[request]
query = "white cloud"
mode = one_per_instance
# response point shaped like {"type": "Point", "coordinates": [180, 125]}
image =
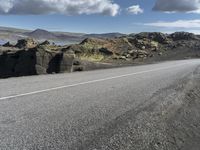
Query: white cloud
{"type": "Point", "coordinates": [67, 7]}
{"type": "Point", "coordinates": [176, 24]}
{"type": "Point", "coordinates": [135, 9]}
{"type": "Point", "coordinates": [5, 6]}
{"type": "Point", "coordinates": [189, 6]}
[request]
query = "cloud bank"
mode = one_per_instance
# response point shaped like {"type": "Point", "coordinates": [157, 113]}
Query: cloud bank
{"type": "Point", "coordinates": [135, 9]}
{"type": "Point", "coordinates": [177, 24]}
{"type": "Point", "coordinates": [191, 6]}
{"type": "Point", "coordinates": [66, 7]}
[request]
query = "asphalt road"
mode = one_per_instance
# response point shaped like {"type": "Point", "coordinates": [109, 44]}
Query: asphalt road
{"type": "Point", "coordinates": [87, 110]}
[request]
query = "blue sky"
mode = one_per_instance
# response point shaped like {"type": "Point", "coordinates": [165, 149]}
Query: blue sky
{"type": "Point", "coordinates": [105, 16]}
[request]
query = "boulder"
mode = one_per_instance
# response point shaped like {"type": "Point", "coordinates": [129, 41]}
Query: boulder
{"type": "Point", "coordinates": [143, 47]}
{"type": "Point", "coordinates": [128, 56]}
{"type": "Point", "coordinates": [122, 57]}
{"type": "Point", "coordinates": [45, 43]}
{"type": "Point", "coordinates": [105, 51]}
{"type": "Point", "coordinates": [43, 58]}
{"type": "Point", "coordinates": [142, 52]}
{"type": "Point", "coordinates": [133, 53]}
{"type": "Point", "coordinates": [66, 64]}
{"type": "Point", "coordinates": [76, 62]}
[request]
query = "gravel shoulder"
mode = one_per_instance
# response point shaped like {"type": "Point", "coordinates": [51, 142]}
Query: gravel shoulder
{"type": "Point", "coordinates": [170, 120]}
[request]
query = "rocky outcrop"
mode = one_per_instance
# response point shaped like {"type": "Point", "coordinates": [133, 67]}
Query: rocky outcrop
{"type": "Point", "coordinates": [34, 61]}
{"type": "Point", "coordinates": [155, 36]}
{"type": "Point", "coordinates": [106, 47]}
{"type": "Point", "coordinates": [7, 44]}
{"type": "Point", "coordinates": [138, 46]}
{"type": "Point", "coordinates": [26, 43]}
{"type": "Point", "coordinates": [183, 36]}
{"type": "Point", "coordinates": [45, 43]}
{"type": "Point", "coordinates": [28, 57]}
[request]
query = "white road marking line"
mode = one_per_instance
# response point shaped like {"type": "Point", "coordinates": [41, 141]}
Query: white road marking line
{"type": "Point", "coordinates": [88, 82]}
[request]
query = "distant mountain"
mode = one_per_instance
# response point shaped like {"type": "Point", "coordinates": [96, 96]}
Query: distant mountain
{"type": "Point", "coordinates": [11, 34]}
{"type": "Point", "coordinates": [41, 34]}
{"type": "Point", "coordinates": [105, 35]}
{"type": "Point", "coordinates": [13, 30]}
{"type": "Point", "coordinates": [14, 34]}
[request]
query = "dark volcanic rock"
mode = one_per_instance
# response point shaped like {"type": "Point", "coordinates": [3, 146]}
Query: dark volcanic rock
{"type": "Point", "coordinates": [183, 36]}
{"type": "Point", "coordinates": [17, 64]}
{"type": "Point", "coordinates": [54, 62]}
{"type": "Point", "coordinates": [75, 48]}
{"type": "Point", "coordinates": [155, 36]}
{"type": "Point", "coordinates": [34, 61]}
{"type": "Point", "coordinates": [105, 51]}
{"type": "Point", "coordinates": [7, 44]}
{"type": "Point", "coordinates": [77, 62]}
{"type": "Point", "coordinates": [45, 43]}
{"type": "Point", "coordinates": [26, 43]}
{"type": "Point", "coordinates": [60, 63]}
{"type": "Point", "coordinates": [159, 37]}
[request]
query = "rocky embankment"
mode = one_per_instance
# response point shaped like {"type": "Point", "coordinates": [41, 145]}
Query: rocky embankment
{"type": "Point", "coordinates": [28, 57]}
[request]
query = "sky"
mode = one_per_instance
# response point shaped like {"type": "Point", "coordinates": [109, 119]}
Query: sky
{"type": "Point", "coordinates": [102, 16]}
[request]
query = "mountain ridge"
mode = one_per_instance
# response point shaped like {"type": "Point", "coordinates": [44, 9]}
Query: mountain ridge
{"type": "Point", "coordinates": [14, 34]}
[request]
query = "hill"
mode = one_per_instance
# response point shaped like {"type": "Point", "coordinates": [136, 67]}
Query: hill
{"type": "Point", "coordinates": [41, 34]}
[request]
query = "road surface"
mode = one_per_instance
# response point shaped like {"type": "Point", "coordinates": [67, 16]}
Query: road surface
{"type": "Point", "coordinates": [113, 109]}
